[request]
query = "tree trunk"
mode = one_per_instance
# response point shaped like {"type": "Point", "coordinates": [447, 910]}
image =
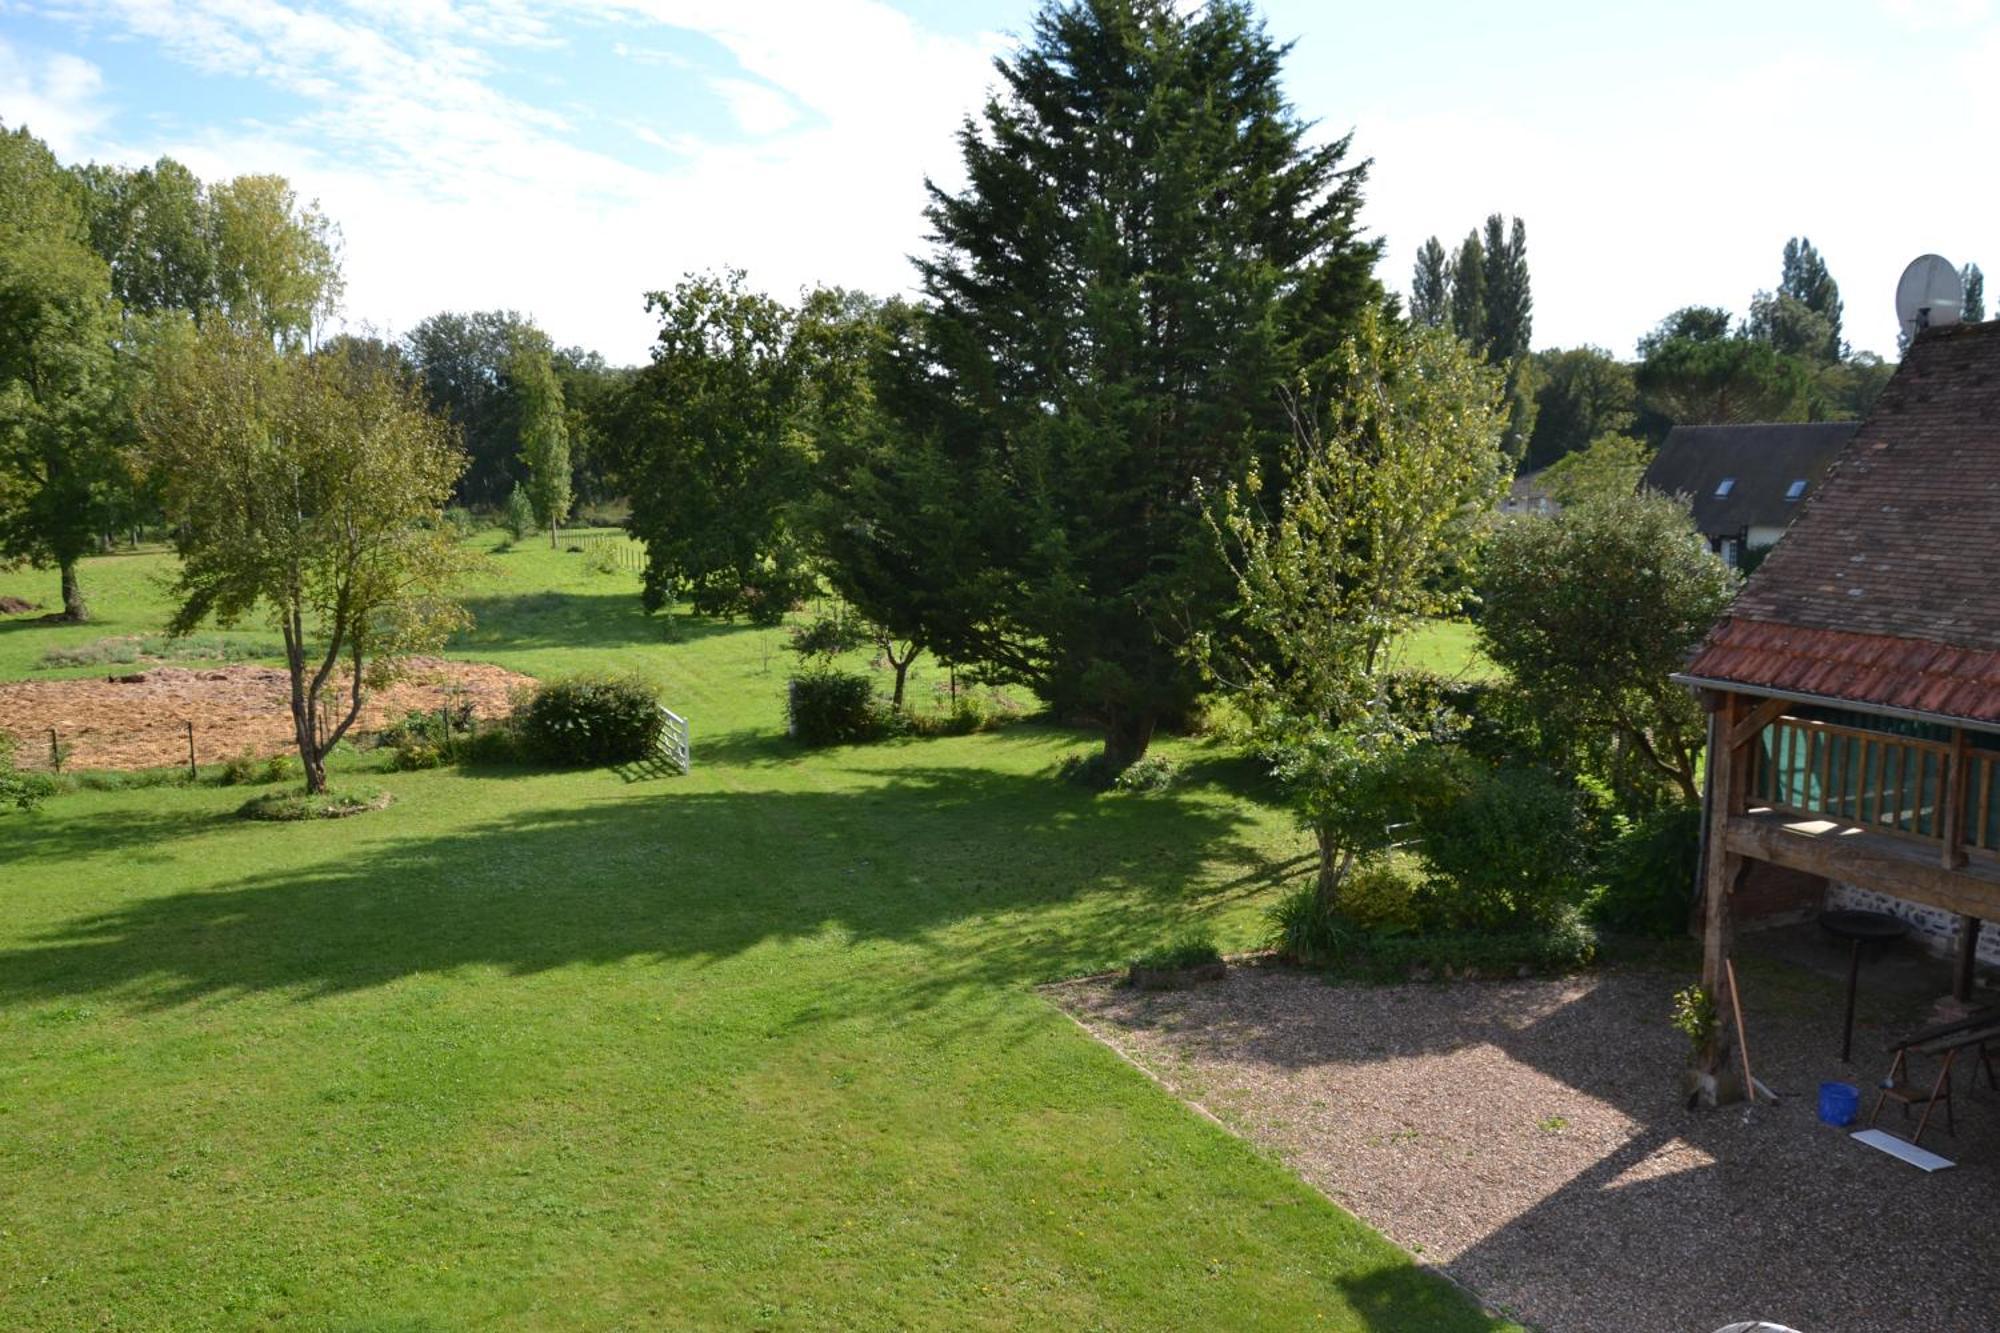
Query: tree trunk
{"type": "Point", "coordinates": [1334, 863]}
{"type": "Point", "coordinates": [1126, 739]}
{"type": "Point", "coordinates": [902, 671]}
{"type": "Point", "coordinates": [552, 534]}
{"type": "Point", "coordinates": [75, 609]}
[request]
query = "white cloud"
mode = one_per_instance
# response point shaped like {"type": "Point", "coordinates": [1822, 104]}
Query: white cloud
{"type": "Point", "coordinates": [55, 96]}
{"type": "Point", "coordinates": [759, 110]}
{"type": "Point", "coordinates": [453, 194]}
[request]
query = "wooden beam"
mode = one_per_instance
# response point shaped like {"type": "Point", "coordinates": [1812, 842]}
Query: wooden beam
{"type": "Point", "coordinates": [1760, 717]}
{"type": "Point", "coordinates": [1878, 861]}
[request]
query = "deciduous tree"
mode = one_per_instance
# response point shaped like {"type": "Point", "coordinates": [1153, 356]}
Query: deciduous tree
{"type": "Point", "coordinates": [708, 442]}
{"type": "Point", "coordinates": [1608, 468]}
{"type": "Point", "coordinates": [62, 417]}
{"type": "Point", "coordinates": [1591, 610]}
{"type": "Point", "coordinates": [1582, 393]}
{"type": "Point", "coordinates": [1380, 495]}
{"type": "Point", "coordinates": [311, 487]}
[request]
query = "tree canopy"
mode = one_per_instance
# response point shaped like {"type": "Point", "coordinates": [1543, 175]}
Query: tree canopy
{"type": "Point", "coordinates": [712, 443]}
{"type": "Point", "coordinates": [62, 414]}
{"type": "Point", "coordinates": [1590, 611]}
{"type": "Point", "coordinates": [1147, 250]}
{"type": "Point", "coordinates": [309, 486]}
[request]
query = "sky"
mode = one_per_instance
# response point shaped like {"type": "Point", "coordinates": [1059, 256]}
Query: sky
{"type": "Point", "coordinates": [563, 160]}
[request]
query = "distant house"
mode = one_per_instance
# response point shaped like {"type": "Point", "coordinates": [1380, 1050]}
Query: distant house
{"type": "Point", "coordinates": [1746, 483]}
{"type": "Point", "coordinates": [1854, 685]}
{"type": "Point", "coordinates": [1528, 496]}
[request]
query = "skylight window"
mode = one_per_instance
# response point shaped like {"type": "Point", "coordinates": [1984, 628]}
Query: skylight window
{"type": "Point", "coordinates": [1724, 487]}
{"type": "Point", "coordinates": [1796, 490]}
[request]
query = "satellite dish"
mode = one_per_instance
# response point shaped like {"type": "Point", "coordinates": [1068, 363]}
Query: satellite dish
{"type": "Point", "coordinates": [1929, 295]}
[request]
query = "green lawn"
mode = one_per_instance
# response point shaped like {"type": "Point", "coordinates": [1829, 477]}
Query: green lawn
{"type": "Point", "coordinates": [1448, 647]}
{"type": "Point", "coordinates": [758, 1047]}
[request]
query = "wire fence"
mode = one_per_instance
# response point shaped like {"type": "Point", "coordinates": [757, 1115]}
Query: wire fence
{"type": "Point", "coordinates": [616, 549]}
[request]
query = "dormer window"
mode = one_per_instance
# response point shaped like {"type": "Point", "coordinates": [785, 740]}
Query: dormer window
{"type": "Point", "coordinates": [1724, 487]}
{"type": "Point", "coordinates": [1797, 490]}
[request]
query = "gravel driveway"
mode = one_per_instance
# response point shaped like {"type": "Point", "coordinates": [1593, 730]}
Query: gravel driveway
{"type": "Point", "coordinates": [1529, 1139]}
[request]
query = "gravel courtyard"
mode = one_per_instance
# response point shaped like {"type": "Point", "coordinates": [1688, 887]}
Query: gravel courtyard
{"type": "Point", "coordinates": [1528, 1138]}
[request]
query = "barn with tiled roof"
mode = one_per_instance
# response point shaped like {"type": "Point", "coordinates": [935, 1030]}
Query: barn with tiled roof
{"type": "Point", "coordinates": [1854, 687]}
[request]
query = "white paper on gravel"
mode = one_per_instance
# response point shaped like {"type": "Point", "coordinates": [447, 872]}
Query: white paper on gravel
{"type": "Point", "coordinates": [1922, 1158]}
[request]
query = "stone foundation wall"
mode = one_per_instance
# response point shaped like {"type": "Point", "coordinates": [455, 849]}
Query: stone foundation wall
{"type": "Point", "coordinates": [1934, 928]}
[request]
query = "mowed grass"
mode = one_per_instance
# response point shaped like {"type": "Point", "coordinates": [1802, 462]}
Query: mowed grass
{"type": "Point", "coordinates": [757, 1047]}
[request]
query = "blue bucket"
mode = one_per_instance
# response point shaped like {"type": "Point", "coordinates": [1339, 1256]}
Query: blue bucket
{"type": "Point", "coordinates": [1839, 1103]}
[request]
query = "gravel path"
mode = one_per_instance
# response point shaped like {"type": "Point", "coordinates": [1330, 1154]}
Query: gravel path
{"type": "Point", "coordinates": [1528, 1138]}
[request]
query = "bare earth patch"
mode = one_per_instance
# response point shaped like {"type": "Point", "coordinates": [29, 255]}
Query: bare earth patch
{"type": "Point", "coordinates": [138, 719]}
{"type": "Point", "coordinates": [1528, 1138]}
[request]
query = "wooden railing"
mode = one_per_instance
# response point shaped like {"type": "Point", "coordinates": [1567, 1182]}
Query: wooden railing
{"type": "Point", "coordinates": [1943, 792]}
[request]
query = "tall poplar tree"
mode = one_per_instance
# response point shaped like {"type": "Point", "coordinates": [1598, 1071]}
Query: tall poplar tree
{"type": "Point", "coordinates": [1468, 293]}
{"type": "Point", "coordinates": [1975, 293]}
{"type": "Point", "coordinates": [1806, 280]}
{"type": "Point", "coordinates": [1510, 307]}
{"type": "Point", "coordinates": [544, 430]}
{"type": "Point", "coordinates": [1430, 286]}
{"type": "Point", "coordinates": [1147, 252]}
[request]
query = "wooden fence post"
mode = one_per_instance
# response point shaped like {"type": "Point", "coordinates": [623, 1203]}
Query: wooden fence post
{"type": "Point", "coordinates": [190, 731]}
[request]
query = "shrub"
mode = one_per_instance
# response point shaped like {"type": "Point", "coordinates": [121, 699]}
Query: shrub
{"type": "Point", "coordinates": [495, 743]}
{"type": "Point", "coordinates": [1089, 771]}
{"type": "Point", "coordinates": [1562, 944]}
{"type": "Point", "coordinates": [1193, 947]}
{"type": "Point", "coordinates": [413, 756]}
{"type": "Point", "coordinates": [833, 707]}
{"type": "Point", "coordinates": [1508, 854]}
{"type": "Point", "coordinates": [1307, 933]}
{"type": "Point", "coordinates": [1383, 893]}
{"type": "Point", "coordinates": [461, 521]}
{"type": "Point", "coordinates": [1648, 875]}
{"type": "Point", "coordinates": [1153, 773]}
{"type": "Point", "coordinates": [23, 791]}
{"type": "Point", "coordinates": [285, 807]}
{"type": "Point", "coordinates": [591, 719]}
{"type": "Point", "coordinates": [247, 769]}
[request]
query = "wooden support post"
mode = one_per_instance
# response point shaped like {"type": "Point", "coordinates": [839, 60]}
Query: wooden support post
{"type": "Point", "coordinates": [1958, 766]}
{"type": "Point", "coordinates": [1721, 872]}
{"type": "Point", "coordinates": [1967, 959]}
{"type": "Point", "coordinates": [190, 732]}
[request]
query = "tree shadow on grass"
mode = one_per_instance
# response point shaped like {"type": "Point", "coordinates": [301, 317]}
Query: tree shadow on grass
{"type": "Point", "coordinates": [959, 863]}
{"type": "Point", "coordinates": [50, 835]}
{"type": "Point", "coordinates": [536, 620]}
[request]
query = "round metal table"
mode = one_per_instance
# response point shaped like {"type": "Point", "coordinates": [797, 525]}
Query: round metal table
{"type": "Point", "coordinates": [1874, 931]}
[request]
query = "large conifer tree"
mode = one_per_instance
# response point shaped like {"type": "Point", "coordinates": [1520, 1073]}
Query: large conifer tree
{"type": "Point", "coordinates": [1146, 256]}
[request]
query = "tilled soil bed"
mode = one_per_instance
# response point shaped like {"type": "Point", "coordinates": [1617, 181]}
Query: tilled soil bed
{"type": "Point", "coordinates": [138, 719]}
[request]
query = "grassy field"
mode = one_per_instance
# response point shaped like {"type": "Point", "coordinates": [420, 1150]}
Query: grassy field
{"type": "Point", "coordinates": [757, 1047]}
